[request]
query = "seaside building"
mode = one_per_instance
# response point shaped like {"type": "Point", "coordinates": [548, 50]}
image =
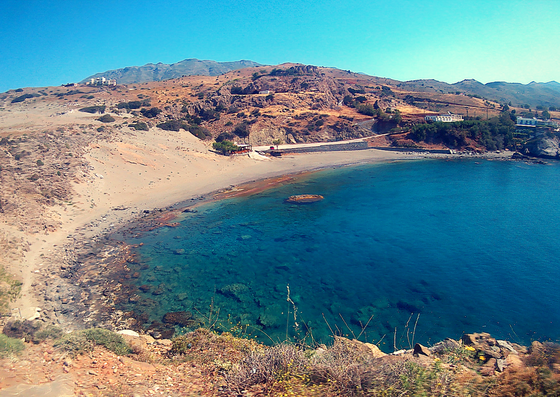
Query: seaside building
{"type": "Point", "coordinates": [444, 118]}
{"type": "Point", "coordinates": [534, 122]}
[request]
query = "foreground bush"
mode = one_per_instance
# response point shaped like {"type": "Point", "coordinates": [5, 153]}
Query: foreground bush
{"type": "Point", "coordinates": [207, 346]}
{"type": "Point", "coordinates": [343, 369]}
{"type": "Point", "coordinates": [9, 346]}
{"type": "Point", "coordinates": [79, 342]}
{"type": "Point", "coordinates": [279, 364]}
{"type": "Point", "coordinates": [21, 329]}
{"type": "Point", "coordinates": [31, 331]}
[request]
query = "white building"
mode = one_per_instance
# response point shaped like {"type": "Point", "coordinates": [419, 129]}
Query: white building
{"type": "Point", "coordinates": [444, 118]}
{"type": "Point", "coordinates": [534, 122]}
{"type": "Point", "coordinates": [101, 81]}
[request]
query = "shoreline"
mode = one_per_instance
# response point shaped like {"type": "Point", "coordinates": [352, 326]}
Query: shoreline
{"type": "Point", "coordinates": [63, 246]}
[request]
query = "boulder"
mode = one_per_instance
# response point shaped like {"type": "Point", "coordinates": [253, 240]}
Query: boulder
{"type": "Point", "coordinates": [543, 146]}
{"type": "Point", "coordinates": [128, 332]}
{"type": "Point", "coordinates": [421, 350]}
{"type": "Point", "coordinates": [183, 319]}
{"type": "Point", "coordinates": [506, 345]}
{"type": "Point", "coordinates": [359, 348]}
{"type": "Point", "coordinates": [514, 361]}
{"type": "Point", "coordinates": [500, 365]}
{"type": "Point", "coordinates": [445, 345]}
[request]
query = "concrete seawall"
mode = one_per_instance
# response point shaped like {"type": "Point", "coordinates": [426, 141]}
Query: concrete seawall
{"type": "Point", "coordinates": [357, 146]}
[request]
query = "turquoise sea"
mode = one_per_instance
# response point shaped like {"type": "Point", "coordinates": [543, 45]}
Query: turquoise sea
{"type": "Point", "coordinates": [422, 250]}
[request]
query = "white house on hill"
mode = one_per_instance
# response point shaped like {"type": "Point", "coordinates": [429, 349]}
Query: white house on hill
{"type": "Point", "coordinates": [444, 118]}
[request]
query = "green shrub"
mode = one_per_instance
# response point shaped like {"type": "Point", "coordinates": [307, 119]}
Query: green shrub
{"type": "Point", "coordinates": [9, 289]}
{"type": "Point", "coordinates": [172, 125]}
{"type": "Point", "coordinates": [40, 163]}
{"type": "Point", "coordinates": [93, 109]}
{"type": "Point", "coordinates": [10, 346]}
{"type": "Point", "coordinates": [200, 132]}
{"type": "Point", "coordinates": [236, 90]}
{"type": "Point", "coordinates": [106, 118]}
{"type": "Point", "coordinates": [150, 113]}
{"type": "Point", "coordinates": [225, 147]}
{"type": "Point", "coordinates": [241, 130]}
{"type": "Point", "coordinates": [74, 343]}
{"type": "Point", "coordinates": [224, 136]}
{"type": "Point", "coordinates": [111, 340]}
{"type": "Point", "coordinates": [130, 105]}
{"type": "Point", "coordinates": [139, 126]}
{"type": "Point", "coordinates": [22, 98]}
{"type": "Point", "coordinates": [49, 332]}
{"type": "Point", "coordinates": [368, 110]}
{"type": "Point", "coordinates": [209, 114]}
{"type": "Point", "coordinates": [21, 329]}
{"type": "Point", "coordinates": [84, 341]}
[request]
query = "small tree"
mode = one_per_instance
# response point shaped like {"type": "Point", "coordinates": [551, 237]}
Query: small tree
{"type": "Point", "coordinates": [225, 147]}
{"type": "Point", "coordinates": [397, 117]}
{"type": "Point", "coordinates": [241, 130]}
{"type": "Point", "coordinates": [277, 142]}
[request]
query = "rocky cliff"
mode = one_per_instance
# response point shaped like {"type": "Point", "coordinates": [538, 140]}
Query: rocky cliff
{"type": "Point", "coordinates": [546, 146]}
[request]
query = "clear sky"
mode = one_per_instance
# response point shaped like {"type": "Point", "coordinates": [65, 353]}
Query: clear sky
{"type": "Point", "coordinates": [51, 42]}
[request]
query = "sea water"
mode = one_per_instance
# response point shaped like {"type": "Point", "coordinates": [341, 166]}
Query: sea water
{"type": "Point", "coordinates": [396, 253]}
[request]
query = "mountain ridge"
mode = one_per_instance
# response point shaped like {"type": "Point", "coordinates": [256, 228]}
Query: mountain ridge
{"type": "Point", "coordinates": [518, 94]}
{"type": "Point", "coordinates": [162, 71]}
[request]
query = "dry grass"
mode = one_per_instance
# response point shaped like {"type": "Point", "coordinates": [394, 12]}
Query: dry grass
{"type": "Point", "coordinates": [338, 370]}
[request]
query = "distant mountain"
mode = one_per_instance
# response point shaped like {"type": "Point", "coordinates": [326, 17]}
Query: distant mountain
{"type": "Point", "coordinates": [533, 94]}
{"type": "Point", "coordinates": [161, 71]}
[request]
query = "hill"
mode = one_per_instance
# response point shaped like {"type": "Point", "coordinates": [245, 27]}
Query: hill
{"type": "Point", "coordinates": [516, 94]}
{"type": "Point", "coordinates": [290, 102]}
{"type": "Point", "coordinates": [161, 71]}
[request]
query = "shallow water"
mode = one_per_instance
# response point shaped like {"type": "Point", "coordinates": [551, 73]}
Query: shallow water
{"type": "Point", "coordinates": [469, 246]}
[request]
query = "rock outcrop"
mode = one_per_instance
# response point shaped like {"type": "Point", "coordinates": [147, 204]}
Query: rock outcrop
{"type": "Point", "coordinates": [543, 146]}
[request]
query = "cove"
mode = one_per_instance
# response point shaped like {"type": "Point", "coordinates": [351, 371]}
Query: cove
{"type": "Point", "coordinates": [419, 250]}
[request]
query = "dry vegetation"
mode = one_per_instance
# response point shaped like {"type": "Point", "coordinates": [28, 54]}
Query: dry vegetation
{"type": "Point", "coordinates": [205, 363]}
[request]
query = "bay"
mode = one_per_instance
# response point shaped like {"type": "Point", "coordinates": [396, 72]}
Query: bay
{"type": "Point", "coordinates": [418, 250]}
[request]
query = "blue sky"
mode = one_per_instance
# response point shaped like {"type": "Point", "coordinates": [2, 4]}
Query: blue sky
{"type": "Point", "coordinates": [59, 41]}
